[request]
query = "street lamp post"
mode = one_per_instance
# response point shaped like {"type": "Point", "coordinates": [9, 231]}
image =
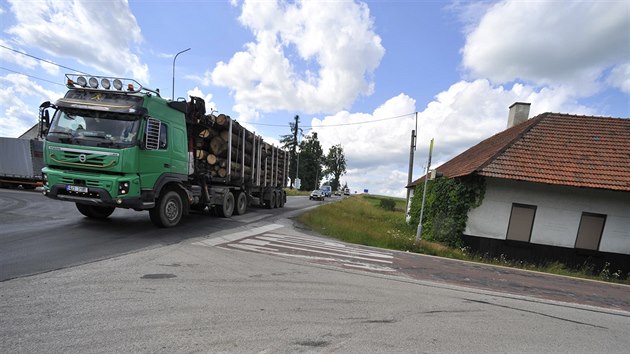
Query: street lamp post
{"type": "Point", "coordinates": [173, 93]}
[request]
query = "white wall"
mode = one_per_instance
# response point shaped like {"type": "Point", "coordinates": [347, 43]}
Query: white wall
{"type": "Point", "coordinates": [558, 213]}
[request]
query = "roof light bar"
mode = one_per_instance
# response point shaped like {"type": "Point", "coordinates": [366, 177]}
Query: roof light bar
{"type": "Point", "coordinates": [102, 83]}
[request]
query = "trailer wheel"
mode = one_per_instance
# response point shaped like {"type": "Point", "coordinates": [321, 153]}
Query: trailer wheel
{"type": "Point", "coordinates": [95, 212]}
{"type": "Point", "coordinates": [241, 203]}
{"type": "Point", "coordinates": [168, 211]}
{"type": "Point", "coordinates": [227, 208]}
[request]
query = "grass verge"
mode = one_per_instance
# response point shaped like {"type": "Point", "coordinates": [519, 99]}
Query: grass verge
{"type": "Point", "coordinates": [364, 220]}
{"type": "Point", "coordinates": [296, 193]}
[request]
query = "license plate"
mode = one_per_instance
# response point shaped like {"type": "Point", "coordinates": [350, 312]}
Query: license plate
{"type": "Point", "coordinates": [79, 189]}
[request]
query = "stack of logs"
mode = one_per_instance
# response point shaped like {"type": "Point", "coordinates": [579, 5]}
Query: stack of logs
{"type": "Point", "coordinates": [211, 143]}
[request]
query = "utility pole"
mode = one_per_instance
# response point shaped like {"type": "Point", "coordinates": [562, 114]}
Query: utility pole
{"type": "Point", "coordinates": [412, 148]}
{"type": "Point", "coordinates": [424, 194]}
{"type": "Point", "coordinates": [295, 144]}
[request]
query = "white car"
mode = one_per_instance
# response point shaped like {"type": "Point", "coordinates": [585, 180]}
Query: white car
{"type": "Point", "coordinates": [316, 195]}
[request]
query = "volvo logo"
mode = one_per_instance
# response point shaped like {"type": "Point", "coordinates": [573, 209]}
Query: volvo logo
{"type": "Point", "coordinates": [82, 158]}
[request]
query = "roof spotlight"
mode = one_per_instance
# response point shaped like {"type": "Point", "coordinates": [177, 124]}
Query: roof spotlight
{"type": "Point", "coordinates": [93, 82]}
{"type": "Point", "coordinates": [105, 83]}
{"type": "Point", "coordinates": [118, 84]}
{"type": "Point", "coordinates": [81, 81]}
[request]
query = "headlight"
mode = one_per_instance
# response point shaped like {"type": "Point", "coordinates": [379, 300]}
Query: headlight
{"type": "Point", "coordinates": [81, 81]}
{"type": "Point", "coordinates": [123, 187]}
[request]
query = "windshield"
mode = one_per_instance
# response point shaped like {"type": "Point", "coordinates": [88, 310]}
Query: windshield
{"type": "Point", "coordinates": [94, 128]}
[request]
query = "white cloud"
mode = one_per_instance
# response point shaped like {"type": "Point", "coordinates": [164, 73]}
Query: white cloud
{"type": "Point", "coordinates": [204, 80]}
{"type": "Point", "coordinates": [50, 68]}
{"type": "Point", "coordinates": [377, 152]}
{"type": "Point", "coordinates": [18, 115]}
{"type": "Point", "coordinates": [620, 77]}
{"type": "Point", "coordinates": [246, 113]}
{"type": "Point", "coordinates": [367, 138]}
{"type": "Point", "coordinates": [550, 43]}
{"type": "Point", "coordinates": [82, 30]}
{"type": "Point", "coordinates": [306, 57]}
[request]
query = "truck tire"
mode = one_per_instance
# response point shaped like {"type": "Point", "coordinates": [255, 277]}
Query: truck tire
{"type": "Point", "coordinates": [95, 212]}
{"type": "Point", "coordinates": [226, 210]}
{"type": "Point", "coordinates": [168, 211]}
{"type": "Point", "coordinates": [241, 204]}
{"type": "Point", "coordinates": [281, 197]}
{"type": "Point", "coordinates": [271, 203]}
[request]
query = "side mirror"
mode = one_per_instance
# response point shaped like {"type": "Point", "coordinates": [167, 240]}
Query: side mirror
{"type": "Point", "coordinates": [44, 118]}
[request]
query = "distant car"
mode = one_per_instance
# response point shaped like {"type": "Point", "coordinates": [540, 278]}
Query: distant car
{"type": "Point", "coordinates": [316, 195]}
{"type": "Point", "coordinates": [337, 193]}
{"type": "Point", "coordinates": [327, 190]}
{"type": "Point", "coordinates": [346, 191]}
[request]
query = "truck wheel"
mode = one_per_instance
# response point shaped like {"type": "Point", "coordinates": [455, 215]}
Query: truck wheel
{"type": "Point", "coordinates": [280, 200]}
{"type": "Point", "coordinates": [227, 208]}
{"type": "Point", "coordinates": [241, 204]}
{"type": "Point", "coordinates": [168, 211]}
{"type": "Point", "coordinates": [271, 203]}
{"type": "Point", "coordinates": [95, 212]}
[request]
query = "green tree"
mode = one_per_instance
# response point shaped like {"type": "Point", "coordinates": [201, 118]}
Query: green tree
{"type": "Point", "coordinates": [335, 164]}
{"type": "Point", "coordinates": [311, 159]}
{"type": "Point", "coordinates": [290, 142]}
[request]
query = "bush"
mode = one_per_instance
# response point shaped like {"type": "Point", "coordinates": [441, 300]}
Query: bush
{"type": "Point", "coordinates": [447, 203]}
{"type": "Point", "coordinates": [388, 204]}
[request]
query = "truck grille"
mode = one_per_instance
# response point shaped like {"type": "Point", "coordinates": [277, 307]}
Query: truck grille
{"type": "Point", "coordinates": [77, 157]}
{"type": "Point", "coordinates": [80, 182]}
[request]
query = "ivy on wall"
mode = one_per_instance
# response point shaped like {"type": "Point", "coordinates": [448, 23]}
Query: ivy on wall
{"type": "Point", "coordinates": [446, 207]}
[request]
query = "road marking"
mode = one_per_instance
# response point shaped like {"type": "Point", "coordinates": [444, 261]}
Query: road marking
{"type": "Point", "coordinates": [324, 245]}
{"type": "Point", "coordinates": [237, 236]}
{"type": "Point", "coordinates": [314, 249]}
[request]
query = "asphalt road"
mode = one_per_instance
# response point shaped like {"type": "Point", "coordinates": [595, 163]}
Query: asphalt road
{"type": "Point", "coordinates": [256, 284]}
{"type": "Point", "coordinates": [39, 234]}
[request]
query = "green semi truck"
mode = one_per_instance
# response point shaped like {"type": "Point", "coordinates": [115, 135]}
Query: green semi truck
{"type": "Point", "coordinates": [111, 143]}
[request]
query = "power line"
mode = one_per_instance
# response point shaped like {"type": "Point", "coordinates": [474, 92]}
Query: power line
{"type": "Point", "coordinates": [44, 60]}
{"type": "Point", "coordinates": [260, 124]}
{"type": "Point", "coordinates": [338, 125]}
{"type": "Point", "coordinates": [31, 76]}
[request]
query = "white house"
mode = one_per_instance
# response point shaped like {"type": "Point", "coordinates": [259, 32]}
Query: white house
{"type": "Point", "coordinates": [557, 187]}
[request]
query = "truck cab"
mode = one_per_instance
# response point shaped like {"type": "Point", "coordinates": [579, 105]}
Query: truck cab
{"type": "Point", "coordinates": [111, 144]}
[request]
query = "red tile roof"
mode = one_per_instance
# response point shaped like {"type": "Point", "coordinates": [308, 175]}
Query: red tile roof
{"type": "Point", "coordinates": [552, 148]}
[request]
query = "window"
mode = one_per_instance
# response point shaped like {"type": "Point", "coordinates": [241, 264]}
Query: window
{"type": "Point", "coordinates": [163, 136]}
{"type": "Point", "coordinates": [590, 231]}
{"type": "Point", "coordinates": [521, 222]}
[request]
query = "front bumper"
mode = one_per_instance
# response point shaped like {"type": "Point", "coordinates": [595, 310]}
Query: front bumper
{"type": "Point", "coordinates": [95, 196]}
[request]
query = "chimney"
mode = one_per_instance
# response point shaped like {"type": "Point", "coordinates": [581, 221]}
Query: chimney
{"type": "Point", "coordinates": [519, 112]}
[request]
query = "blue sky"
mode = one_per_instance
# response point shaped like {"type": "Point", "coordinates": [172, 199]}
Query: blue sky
{"type": "Point", "coordinates": [354, 71]}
